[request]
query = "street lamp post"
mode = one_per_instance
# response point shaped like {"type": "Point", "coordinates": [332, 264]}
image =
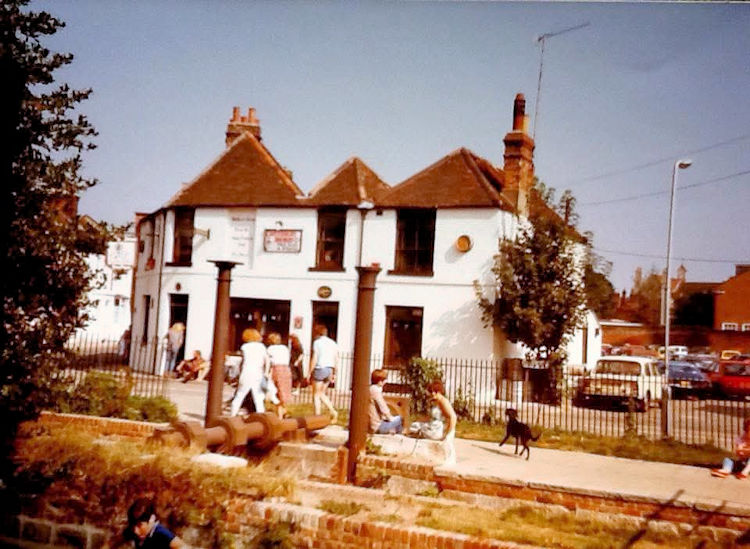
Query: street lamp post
{"type": "Point", "coordinates": [678, 165]}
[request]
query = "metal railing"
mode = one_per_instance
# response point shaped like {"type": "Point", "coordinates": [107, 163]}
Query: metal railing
{"type": "Point", "coordinates": [609, 405]}
{"type": "Point", "coordinates": [139, 365]}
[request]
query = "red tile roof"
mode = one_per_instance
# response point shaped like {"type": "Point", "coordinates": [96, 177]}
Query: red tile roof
{"type": "Point", "coordinates": [458, 180]}
{"type": "Point", "coordinates": [245, 174]}
{"type": "Point", "coordinates": [349, 185]}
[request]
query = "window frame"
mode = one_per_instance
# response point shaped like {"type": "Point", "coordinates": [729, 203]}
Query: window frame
{"type": "Point", "coordinates": [182, 240]}
{"type": "Point", "coordinates": [729, 326]}
{"type": "Point", "coordinates": [327, 239]}
{"type": "Point", "coordinates": [400, 313]}
{"type": "Point", "coordinates": [415, 236]}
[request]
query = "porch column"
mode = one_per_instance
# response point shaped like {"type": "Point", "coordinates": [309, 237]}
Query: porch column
{"type": "Point", "coordinates": [219, 349]}
{"type": "Point", "coordinates": [358, 417]}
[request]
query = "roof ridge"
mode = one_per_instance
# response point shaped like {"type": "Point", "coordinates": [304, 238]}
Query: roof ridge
{"type": "Point", "coordinates": [279, 168]}
{"type": "Point", "coordinates": [330, 177]}
{"type": "Point", "coordinates": [185, 186]}
{"type": "Point", "coordinates": [470, 159]}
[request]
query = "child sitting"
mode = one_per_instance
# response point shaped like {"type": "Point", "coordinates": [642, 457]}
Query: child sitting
{"type": "Point", "coordinates": [742, 451]}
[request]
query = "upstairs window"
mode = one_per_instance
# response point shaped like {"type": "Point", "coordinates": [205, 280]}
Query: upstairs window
{"type": "Point", "coordinates": [331, 232]}
{"type": "Point", "coordinates": [182, 253]}
{"type": "Point", "coordinates": [729, 326]}
{"type": "Point", "coordinates": [415, 242]}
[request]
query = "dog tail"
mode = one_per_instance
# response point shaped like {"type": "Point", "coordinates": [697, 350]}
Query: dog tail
{"type": "Point", "coordinates": [535, 438]}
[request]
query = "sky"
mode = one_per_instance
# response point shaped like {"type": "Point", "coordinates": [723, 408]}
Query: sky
{"type": "Point", "coordinates": [402, 84]}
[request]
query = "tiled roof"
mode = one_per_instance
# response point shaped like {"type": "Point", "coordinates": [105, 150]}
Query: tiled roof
{"type": "Point", "coordinates": [245, 174]}
{"type": "Point", "coordinates": [458, 180]}
{"type": "Point", "coordinates": [351, 184]}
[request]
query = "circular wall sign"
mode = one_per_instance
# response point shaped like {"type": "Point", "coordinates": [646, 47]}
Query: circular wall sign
{"type": "Point", "coordinates": [324, 292]}
{"type": "Point", "coordinates": [463, 243]}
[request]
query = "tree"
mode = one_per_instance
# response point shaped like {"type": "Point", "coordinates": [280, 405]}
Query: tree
{"type": "Point", "coordinates": [44, 277]}
{"type": "Point", "coordinates": [539, 294]}
{"type": "Point", "coordinates": [646, 299]}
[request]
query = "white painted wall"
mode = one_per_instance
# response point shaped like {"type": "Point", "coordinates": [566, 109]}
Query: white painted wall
{"type": "Point", "coordinates": [452, 325]}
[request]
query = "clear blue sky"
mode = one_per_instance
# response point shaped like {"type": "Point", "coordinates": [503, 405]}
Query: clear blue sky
{"type": "Point", "coordinates": [402, 84]}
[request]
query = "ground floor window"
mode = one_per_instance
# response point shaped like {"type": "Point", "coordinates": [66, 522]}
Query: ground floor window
{"type": "Point", "coordinates": [403, 335]}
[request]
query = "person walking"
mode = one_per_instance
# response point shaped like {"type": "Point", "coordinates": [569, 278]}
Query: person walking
{"type": "Point", "coordinates": [324, 361]}
{"type": "Point", "coordinates": [175, 339]}
{"type": "Point", "coordinates": [254, 364]}
{"type": "Point", "coordinates": [296, 356]}
{"type": "Point", "coordinates": [278, 355]}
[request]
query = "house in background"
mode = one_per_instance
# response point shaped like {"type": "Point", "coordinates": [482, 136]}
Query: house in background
{"type": "Point", "coordinates": [109, 313]}
{"type": "Point", "coordinates": [433, 235]}
{"type": "Point", "coordinates": [732, 302]}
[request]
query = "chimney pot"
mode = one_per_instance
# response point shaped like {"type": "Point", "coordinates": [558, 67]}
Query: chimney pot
{"type": "Point", "coordinates": [236, 113]}
{"type": "Point", "coordinates": [251, 116]}
{"type": "Point", "coordinates": [519, 111]}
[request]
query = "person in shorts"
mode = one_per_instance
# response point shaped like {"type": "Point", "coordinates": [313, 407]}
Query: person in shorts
{"type": "Point", "coordinates": [323, 363]}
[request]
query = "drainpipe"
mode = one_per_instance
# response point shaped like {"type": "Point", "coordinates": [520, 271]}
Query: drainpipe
{"type": "Point", "coordinates": [359, 417]}
{"type": "Point", "coordinates": [158, 291]}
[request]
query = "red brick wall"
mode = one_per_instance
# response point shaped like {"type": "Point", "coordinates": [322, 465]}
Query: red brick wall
{"type": "Point", "coordinates": [732, 301]}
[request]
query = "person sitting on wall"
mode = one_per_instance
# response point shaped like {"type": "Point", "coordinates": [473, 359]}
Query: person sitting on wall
{"type": "Point", "coordinates": [442, 421]}
{"type": "Point", "coordinates": [193, 368]}
{"type": "Point", "coordinates": [381, 420]}
{"type": "Point", "coordinates": [741, 465]}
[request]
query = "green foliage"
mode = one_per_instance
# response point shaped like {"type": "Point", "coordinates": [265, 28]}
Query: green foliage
{"type": "Point", "coordinates": [600, 294]}
{"type": "Point", "coordinates": [44, 277]}
{"type": "Point", "coordinates": [539, 293]}
{"type": "Point", "coordinates": [373, 449]}
{"type": "Point", "coordinates": [645, 299]}
{"type": "Point", "coordinates": [464, 403]}
{"type": "Point", "coordinates": [419, 373]}
{"type": "Point", "coordinates": [102, 394]}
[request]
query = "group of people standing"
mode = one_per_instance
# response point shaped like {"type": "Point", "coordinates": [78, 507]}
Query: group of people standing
{"type": "Point", "coordinates": [273, 371]}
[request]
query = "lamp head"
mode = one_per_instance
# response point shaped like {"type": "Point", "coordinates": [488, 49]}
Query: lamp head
{"type": "Point", "coordinates": [685, 163]}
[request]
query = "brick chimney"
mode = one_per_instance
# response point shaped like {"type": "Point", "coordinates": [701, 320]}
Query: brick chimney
{"type": "Point", "coordinates": [519, 157]}
{"type": "Point", "coordinates": [239, 124]}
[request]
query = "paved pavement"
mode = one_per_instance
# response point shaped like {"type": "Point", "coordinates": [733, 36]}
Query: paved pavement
{"type": "Point", "coordinates": [559, 468]}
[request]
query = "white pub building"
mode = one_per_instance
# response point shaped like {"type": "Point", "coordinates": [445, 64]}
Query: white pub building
{"type": "Point", "coordinates": [433, 235]}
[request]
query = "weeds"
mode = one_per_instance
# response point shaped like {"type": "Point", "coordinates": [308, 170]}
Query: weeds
{"type": "Point", "coordinates": [344, 508]}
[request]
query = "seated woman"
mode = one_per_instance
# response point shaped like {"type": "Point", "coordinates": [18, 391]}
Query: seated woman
{"type": "Point", "coordinates": [381, 420]}
{"type": "Point", "coordinates": [741, 465]}
{"type": "Point", "coordinates": [435, 429]}
{"type": "Point", "coordinates": [194, 368]}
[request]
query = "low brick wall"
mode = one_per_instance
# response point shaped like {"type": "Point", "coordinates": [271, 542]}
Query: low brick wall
{"type": "Point", "coordinates": [23, 531]}
{"type": "Point", "coordinates": [100, 425]}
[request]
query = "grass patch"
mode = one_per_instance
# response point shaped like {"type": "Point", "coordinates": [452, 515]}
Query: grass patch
{"type": "Point", "coordinates": [629, 446]}
{"type": "Point", "coordinates": [390, 518]}
{"type": "Point", "coordinates": [344, 508]}
{"type": "Point", "coordinates": [532, 525]}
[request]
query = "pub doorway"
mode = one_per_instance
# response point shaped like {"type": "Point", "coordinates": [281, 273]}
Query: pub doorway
{"type": "Point", "coordinates": [265, 315]}
{"type": "Point", "coordinates": [326, 313]}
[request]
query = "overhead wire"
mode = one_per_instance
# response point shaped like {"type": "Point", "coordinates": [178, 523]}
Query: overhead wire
{"type": "Point", "coordinates": [658, 256]}
{"type": "Point", "coordinates": [657, 193]}
{"type": "Point", "coordinates": [661, 160]}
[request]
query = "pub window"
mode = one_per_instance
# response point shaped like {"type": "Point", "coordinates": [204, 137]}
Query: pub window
{"type": "Point", "coordinates": [331, 231]}
{"type": "Point", "coordinates": [415, 241]}
{"type": "Point", "coordinates": [403, 335]}
{"type": "Point", "coordinates": [182, 253]}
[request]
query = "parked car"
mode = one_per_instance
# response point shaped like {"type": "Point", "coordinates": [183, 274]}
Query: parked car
{"type": "Point", "coordinates": [731, 378]}
{"type": "Point", "coordinates": [620, 380]}
{"type": "Point", "coordinates": [675, 351]}
{"type": "Point", "coordinates": [687, 380]}
{"type": "Point", "coordinates": [703, 361]}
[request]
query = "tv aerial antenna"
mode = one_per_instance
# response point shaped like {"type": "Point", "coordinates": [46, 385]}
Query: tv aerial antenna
{"type": "Point", "coordinates": [541, 39]}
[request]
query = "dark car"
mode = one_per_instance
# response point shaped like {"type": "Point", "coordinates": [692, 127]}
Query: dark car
{"type": "Point", "coordinates": [686, 380]}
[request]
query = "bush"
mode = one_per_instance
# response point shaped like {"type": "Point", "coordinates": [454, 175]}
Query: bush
{"type": "Point", "coordinates": [103, 395]}
{"type": "Point", "coordinates": [464, 404]}
{"type": "Point", "coordinates": [419, 373]}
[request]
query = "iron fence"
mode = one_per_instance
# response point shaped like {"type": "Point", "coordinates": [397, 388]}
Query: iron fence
{"type": "Point", "coordinates": [140, 365]}
{"type": "Point", "coordinates": [575, 401]}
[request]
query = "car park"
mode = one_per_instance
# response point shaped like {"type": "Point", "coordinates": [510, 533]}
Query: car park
{"type": "Point", "coordinates": [686, 380]}
{"type": "Point", "coordinates": [619, 381]}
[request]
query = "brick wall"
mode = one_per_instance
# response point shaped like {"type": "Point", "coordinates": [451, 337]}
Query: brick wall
{"type": "Point", "coordinates": [24, 531]}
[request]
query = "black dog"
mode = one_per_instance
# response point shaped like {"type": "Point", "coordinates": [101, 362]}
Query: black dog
{"type": "Point", "coordinates": [520, 431]}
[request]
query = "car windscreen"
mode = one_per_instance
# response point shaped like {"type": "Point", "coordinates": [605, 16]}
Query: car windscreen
{"type": "Point", "coordinates": [618, 367]}
{"type": "Point", "coordinates": [737, 369]}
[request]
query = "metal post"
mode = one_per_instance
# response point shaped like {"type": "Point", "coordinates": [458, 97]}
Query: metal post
{"type": "Point", "coordinates": [219, 349]}
{"type": "Point", "coordinates": [358, 417]}
{"type": "Point", "coordinates": [680, 164]}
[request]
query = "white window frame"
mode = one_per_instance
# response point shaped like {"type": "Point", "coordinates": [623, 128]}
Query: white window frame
{"type": "Point", "coordinates": [746, 326]}
{"type": "Point", "coordinates": [729, 326]}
